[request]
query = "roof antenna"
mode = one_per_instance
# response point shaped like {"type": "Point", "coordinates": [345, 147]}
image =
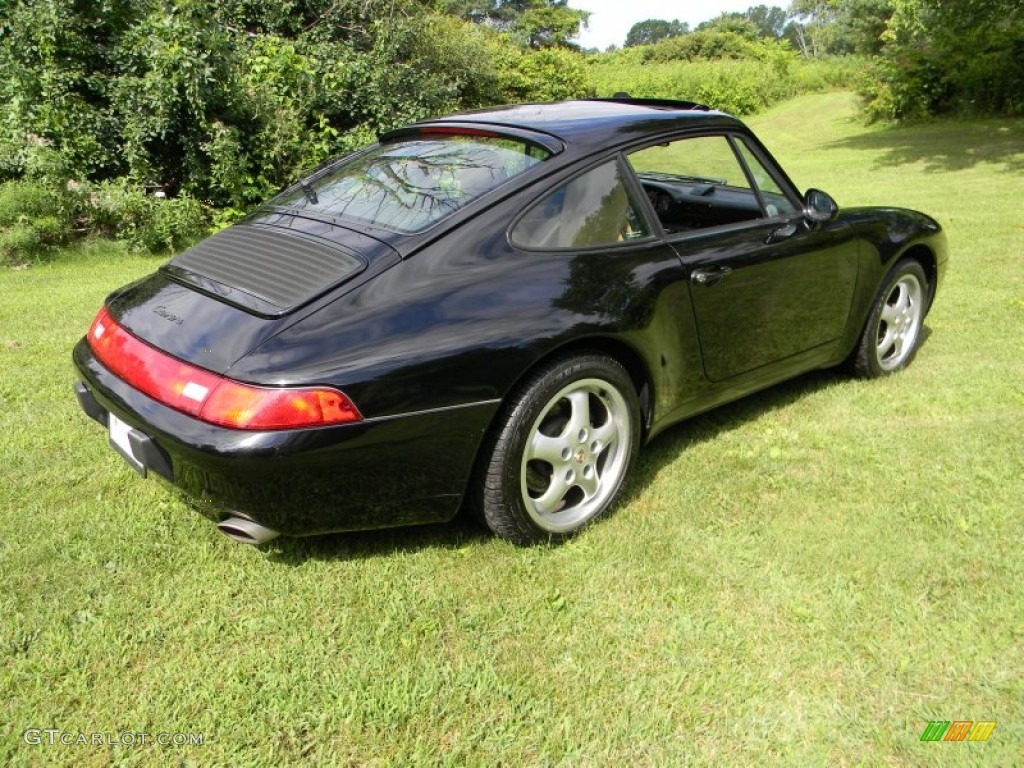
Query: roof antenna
{"type": "Point", "coordinates": [622, 95]}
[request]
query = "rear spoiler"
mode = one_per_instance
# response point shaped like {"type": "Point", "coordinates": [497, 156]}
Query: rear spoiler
{"type": "Point", "coordinates": [551, 143]}
{"type": "Point", "coordinates": [657, 103]}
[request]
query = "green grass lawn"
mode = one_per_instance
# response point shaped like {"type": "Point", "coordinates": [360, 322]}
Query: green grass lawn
{"type": "Point", "coordinates": [806, 577]}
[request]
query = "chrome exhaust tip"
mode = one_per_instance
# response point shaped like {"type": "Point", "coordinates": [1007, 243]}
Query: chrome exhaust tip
{"type": "Point", "coordinates": [246, 531]}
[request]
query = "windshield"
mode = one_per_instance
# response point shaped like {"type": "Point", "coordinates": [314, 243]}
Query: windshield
{"type": "Point", "coordinates": [408, 185]}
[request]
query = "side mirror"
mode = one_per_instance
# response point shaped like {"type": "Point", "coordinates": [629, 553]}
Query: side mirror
{"type": "Point", "coordinates": [819, 206]}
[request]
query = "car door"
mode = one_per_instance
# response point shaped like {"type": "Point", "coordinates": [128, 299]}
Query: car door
{"type": "Point", "coordinates": [766, 284]}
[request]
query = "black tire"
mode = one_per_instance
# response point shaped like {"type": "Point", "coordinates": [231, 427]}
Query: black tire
{"type": "Point", "coordinates": [574, 424]}
{"type": "Point", "coordinates": [892, 334]}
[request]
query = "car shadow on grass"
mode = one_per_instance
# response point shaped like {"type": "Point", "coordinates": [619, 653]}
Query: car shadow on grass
{"type": "Point", "coordinates": [456, 534]}
{"type": "Point", "coordinates": [725, 418]}
{"type": "Point", "coordinates": [721, 420]}
{"type": "Point", "coordinates": [464, 530]}
{"type": "Point", "coordinates": [946, 145]}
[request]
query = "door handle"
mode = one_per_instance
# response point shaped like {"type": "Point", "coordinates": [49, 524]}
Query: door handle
{"type": "Point", "coordinates": [784, 232]}
{"type": "Point", "coordinates": [709, 276]}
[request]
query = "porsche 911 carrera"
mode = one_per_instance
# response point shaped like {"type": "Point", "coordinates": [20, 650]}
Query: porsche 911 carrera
{"type": "Point", "coordinates": [497, 310]}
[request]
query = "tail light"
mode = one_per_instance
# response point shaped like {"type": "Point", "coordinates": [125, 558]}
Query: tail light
{"type": "Point", "coordinates": [208, 396]}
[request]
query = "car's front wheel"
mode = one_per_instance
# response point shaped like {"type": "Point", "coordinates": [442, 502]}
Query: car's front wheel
{"type": "Point", "coordinates": [893, 330]}
{"type": "Point", "coordinates": [565, 443]}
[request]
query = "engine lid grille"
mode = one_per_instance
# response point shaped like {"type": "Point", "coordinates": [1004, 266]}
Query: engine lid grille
{"type": "Point", "coordinates": [267, 270]}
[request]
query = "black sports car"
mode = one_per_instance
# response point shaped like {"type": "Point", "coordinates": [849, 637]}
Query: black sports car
{"type": "Point", "coordinates": [497, 307]}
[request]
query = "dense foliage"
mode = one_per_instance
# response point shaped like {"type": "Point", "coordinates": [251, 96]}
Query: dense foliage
{"type": "Point", "coordinates": [942, 57]}
{"type": "Point", "coordinates": [225, 102]}
{"type": "Point", "coordinates": [734, 84]}
{"type": "Point", "coordinates": [930, 56]}
{"type": "Point", "coordinates": [927, 56]}
{"type": "Point", "coordinates": [536, 23]}
{"type": "Point", "coordinates": [152, 119]}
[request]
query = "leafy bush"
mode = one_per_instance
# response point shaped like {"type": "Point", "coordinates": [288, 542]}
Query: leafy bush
{"type": "Point", "coordinates": [703, 45]}
{"type": "Point", "coordinates": [829, 73]}
{"type": "Point", "coordinates": [739, 87]}
{"type": "Point", "coordinates": [174, 225]}
{"type": "Point", "coordinates": [35, 217]}
{"type": "Point", "coordinates": [550, 74]}
{"type": "Point", "coordinates": [147, 222]}
{"type": "Point", "coordinates": [725, 70]}
{"type": "Point", "coordinates": [909, 84]}
{"type": "Point", "coordinates": [228, 102]}
{"type": "Point", "coordinates": [904, 87]}
{"type": "Point", "coordinates": [948, 57]}
{"type": "Point", "coordinates": [20, 243]}
{"type": "Point", "coordinates": [22, 201]}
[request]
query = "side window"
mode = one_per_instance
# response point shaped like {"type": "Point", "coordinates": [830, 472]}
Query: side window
{"type": "Point", "coordinates": [696, 183]}
{"type": "Point", "coordinates": [775, 200]}
{"type": "Point", "coordinates": [594, 209]}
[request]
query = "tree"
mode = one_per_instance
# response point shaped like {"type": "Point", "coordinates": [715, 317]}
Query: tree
{"type": "Point", "coordinates": [813, 28]}
{"type": "Point", "coordinates": [769, 20]}
{"type": "Point", "coordinates": [653, 30]}
{"type": "Point", "coordinates": [535, 23]}
{"type": "Point", "coordinates": [731, 23]}
{"type": "Point", "coordinates": [942, 56]}
{"type": "Point", "coordinates": [550, 24]}
{"type": "Point", "coordinates": [861, 25]}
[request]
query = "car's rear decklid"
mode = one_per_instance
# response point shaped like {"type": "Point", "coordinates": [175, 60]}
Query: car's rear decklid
{"type": "Point", "coordinates": [215, 302]}
{"type": "Point", "coordinates": [268, 270]}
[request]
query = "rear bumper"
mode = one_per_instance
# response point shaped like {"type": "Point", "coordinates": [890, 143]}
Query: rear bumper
{"type": "Point", "coordinates": [146, 455]}
{"type": "Point", "coordinates": [377, 473]}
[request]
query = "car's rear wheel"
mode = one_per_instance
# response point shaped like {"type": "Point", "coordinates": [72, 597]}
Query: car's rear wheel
{"type": "Point", "coordinates": [565, 444]}
{"type": "Point", "coordinates": [893, 332]}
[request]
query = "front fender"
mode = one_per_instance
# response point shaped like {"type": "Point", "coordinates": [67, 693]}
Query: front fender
{"type": "Point", "coordinates": [891, 232]}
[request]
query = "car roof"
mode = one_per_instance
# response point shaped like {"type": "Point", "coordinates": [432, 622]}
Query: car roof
{"type": "Point", "coordinates": [594, 121]}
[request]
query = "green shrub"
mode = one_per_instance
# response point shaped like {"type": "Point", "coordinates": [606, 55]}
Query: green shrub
{"type": "Point", "coordinates": [829, 73]}
{"type": "Point", "coordinates": [24, 201]}
{"type": "Point", "coordinates": [904, 90]}
{"type": "Point", "coordinates": [739, 87]}
{"type": "Point", "coordinates": [702, 45]}
{"type": "Point", "coordinates": [940, 57]}
{"type": "Point", "coordinates": [174, 225]}
{"type": "Point", "coordinates": [19, 243]}
{"type": "Point", "coordinates": [550, 74]}
{"type": "Point", "coordinates": [909, 84]}
{"type": "Point", "coordinates": [35, 217]}
{"type": "Point", "coordinates": [51, 230]}
{"type": "Point", "coordinates": [146, 222]}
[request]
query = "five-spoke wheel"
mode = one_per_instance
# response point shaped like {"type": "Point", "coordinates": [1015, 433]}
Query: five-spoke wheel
{"type": "Point", "coordinates": [893, 330]}
{"type": "Point", "coordinates": [575, 457]}
{"type": "Point", "coordinates": [567, 441]}
{"type": "Point", "coordinates": [899, 322]}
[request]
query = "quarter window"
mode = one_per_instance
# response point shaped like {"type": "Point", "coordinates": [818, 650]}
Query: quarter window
{"type": "Point", "coordinates": [595, 209]}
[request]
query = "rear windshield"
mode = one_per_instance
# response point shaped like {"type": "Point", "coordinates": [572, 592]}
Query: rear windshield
{"type": "Point", "coordinates": [408, 185]}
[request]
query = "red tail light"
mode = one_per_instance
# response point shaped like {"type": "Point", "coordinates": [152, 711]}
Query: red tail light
{"type": "Point", "coordinates": [207, 396]}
